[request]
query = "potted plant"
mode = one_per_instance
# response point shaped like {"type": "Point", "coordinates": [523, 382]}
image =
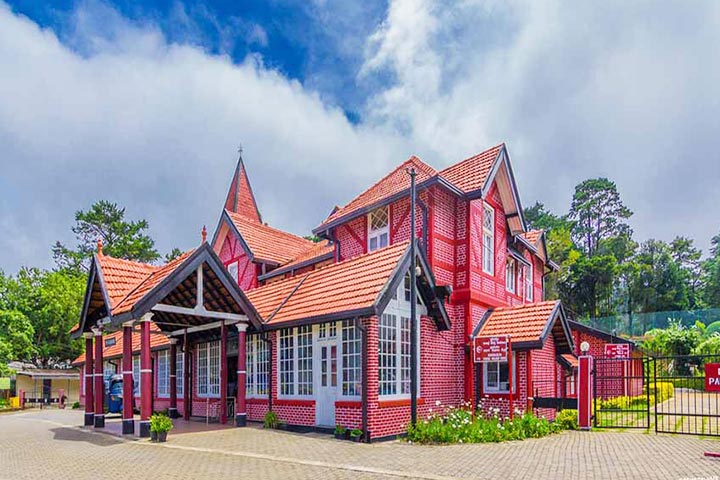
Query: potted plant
{"type": "Point", "coordinates": [271, 420]}
{"type": "Point", "coordinates": [340, 432]}
{"type": "Point", "coordinates": [159, 425]}
{"type": "Point", "coordinates": [356, 435]}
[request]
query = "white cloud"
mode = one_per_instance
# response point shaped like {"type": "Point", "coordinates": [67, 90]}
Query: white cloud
{"type": "Point", "coordinates": [625, 90]}
{"type": "Point", "coordinates": [154, 126]}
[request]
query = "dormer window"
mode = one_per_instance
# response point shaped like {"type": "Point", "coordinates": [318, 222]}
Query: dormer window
{"type": "Point", "coordinates": [488, 264]}
{"type": "Point", "coordinates": [510, 275]}
{"type": "Point", "coordinates": [378, 229]}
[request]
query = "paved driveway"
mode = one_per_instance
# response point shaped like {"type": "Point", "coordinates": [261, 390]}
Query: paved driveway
{"type": "Point", "coordinates": [48, 445]}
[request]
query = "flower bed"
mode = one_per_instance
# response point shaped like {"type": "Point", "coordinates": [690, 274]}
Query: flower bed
{"type": "Point", "coordinates": [459, 425]}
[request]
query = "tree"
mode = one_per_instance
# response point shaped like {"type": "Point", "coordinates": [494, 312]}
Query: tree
{"type": "Point", "coordinates": [539, 217]}
{"type": "Point", "coordinates": [174, 253]}
{"type": "Point", "coordinates": [121, 238]}
{"type": "Point", "coordinates": [711, 275]}
{"type": "Point", "coordinates": [587, 287]}
{"type": "Point", "coordinates": [598, 213]}
{"type": "Point", "coordinates": [659, 284]}
{"type": "Point", "coordinates": [16, 338]}
{"type": "Point", "coordinates": [689, 260]}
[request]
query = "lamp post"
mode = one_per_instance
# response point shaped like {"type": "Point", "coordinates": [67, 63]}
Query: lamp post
{"type": "Point", "coordinates": [413, 305]}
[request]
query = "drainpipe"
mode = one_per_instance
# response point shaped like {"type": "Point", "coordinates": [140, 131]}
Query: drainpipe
{"type": "Point", "coordinates": [364, 386]}
{"type": "Point", "coordinates": [413, 304]}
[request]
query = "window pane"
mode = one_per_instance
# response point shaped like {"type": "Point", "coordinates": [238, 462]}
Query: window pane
{"type": "Point", "coordinates": [287, 362]}
{"type": "Point", "coordinates": [163, 374]}
{"type": "Point", "coordinates": [180, 373]}
{"type": "Point", "coordinates": [351, 359]}
{"type": "Point", "coordinates": [387, 358]}
{"type": "Point", "coordinates": [305, 360]}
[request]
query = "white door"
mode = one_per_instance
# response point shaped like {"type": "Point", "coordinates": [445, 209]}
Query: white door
{"type": "Point", "coordinates": [327, 382]}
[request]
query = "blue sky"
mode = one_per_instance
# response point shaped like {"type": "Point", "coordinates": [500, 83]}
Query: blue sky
{"type": "Point", "coordinates": [144, 103]}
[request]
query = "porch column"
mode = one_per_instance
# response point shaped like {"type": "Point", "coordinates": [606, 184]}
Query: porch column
{"type": "Point", "coordinates": [223, 373]}
{"type": "Point", "coordinates": [145, 376]}
{"type": "Point", "coordinates": [99, 391]}
{"type": "Point", "coordinates": [172, 411]}
{"type": "Point", "coordinates": [89, 368]}
{"type": "Point", "coordinates": [128, 422]}
{"type": "Point", "coordinates": [187, 388]}
{"type": "Point", "coordinates": [241, 409]}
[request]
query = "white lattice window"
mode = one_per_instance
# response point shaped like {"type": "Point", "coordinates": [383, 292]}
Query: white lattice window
{"type": "Point", "coordinates": [109, 369]}
{"type": "Point", "coordinates": [496, 377]}
{"type": "Point", "coordinates": [180, 373]}
{"type": "Point", "coordinates": [387, 355]}
{"type": "Point", "coordinates": [378, 228]}
{"type": "Point", "coordinates": [287, 362]}
{"type": "Point", "coordinates": [208, 369]}
{"type": "Point", "coordinates": [256, 378]}
{"type": "Point", "coordinates": [510, 275]}
{"type": "Point", "coordinates": [136, 375]}
{"type": "Point", "coordinates": [163, 373]}
{"type": "Point", "coordinates": [305, 360]}
{"type": "Point", "coordinates": [529, 283]}
{"type": "Point", "coordinates": [351, 360]}
{"type": "Point", "coordinates": [488, 257]}
{"type": "Point", "coordinates": [234, 270]}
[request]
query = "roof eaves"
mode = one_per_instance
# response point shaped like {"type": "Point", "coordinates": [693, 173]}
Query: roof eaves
{"type": "Point", "coordinates": [296, 266]}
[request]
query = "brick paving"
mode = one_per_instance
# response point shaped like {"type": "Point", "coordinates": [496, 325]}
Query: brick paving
{"type": "Point", "coordinates": [48, 444]}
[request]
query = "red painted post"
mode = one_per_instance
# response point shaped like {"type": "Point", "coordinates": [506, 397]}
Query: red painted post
{"type": "Point", "coordinates": [585, 393]}
{"type": "Point", "coordinates": [128, 422]}
{"type": "Point", "coordinates": [145, 376]}
{"type": "Point", "coordinates": [241, 413]}
{"type": "Point", "coordinates": [187, 393]}
{"type": "Point", "coordinates": [172, 410]}
{"type": "Point", "coordinates": [99, 392]}
{"type": "Point", "coordinates": [223, 373]}
{"type": "Point", "coordinates": [89, 385]}
{"type": "Point", "coordinates": [22, 399]}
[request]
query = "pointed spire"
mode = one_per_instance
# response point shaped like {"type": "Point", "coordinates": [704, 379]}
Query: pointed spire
{"type": "Point", "coordinates": [240, 198]}
{"type": "Point", "coordinates": [99, 247]}
{"type": "Point", "coordinates": [203, 234]}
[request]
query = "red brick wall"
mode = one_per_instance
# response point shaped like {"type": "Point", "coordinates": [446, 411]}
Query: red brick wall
{"type": "Point", "coordinates": [545, 378]}
{"type": "Point", "coordinates": [488, 402]}
{"type": "Point", "coordinates": [233, 251]}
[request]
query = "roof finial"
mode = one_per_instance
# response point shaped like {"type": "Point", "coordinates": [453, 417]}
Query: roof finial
{"type": "Point", "coordinates": [240, 150]}
{"type": "Point", "coordinates": [99, 246]}
{"type": "Point", "coordinates": [204, 234]}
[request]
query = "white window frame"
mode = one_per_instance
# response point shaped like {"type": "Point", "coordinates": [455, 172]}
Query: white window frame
{"type": "Point", "coordinates": [511, 275]}
{"type": "Point", "coordinates": [208, 354]}
{"type": "Point", "coordinates": [136, 375]}
{"type": "Point", "coordinates": [351, 355]}
{"type": "Point", "coordinates": [233, 269]}
{"type": "Point", "coordinates": [377, 233]}
{"type": "Point", "coordinates": [488, 240]}
{"type": "Point", "coordinates": [256, 377]}
{"type": "Point", "coordinates": [179, 373]}
{"type": "Point", "coordinates": [295, 363]}
{"type": "Point", "coordinates": [529, 282]}
{"type": "Point", "coordinates": [399, 310]}
{"type": "Point", "coordinates": [163, 374]}
{"type": "Point", "coordinates": [487, 389]}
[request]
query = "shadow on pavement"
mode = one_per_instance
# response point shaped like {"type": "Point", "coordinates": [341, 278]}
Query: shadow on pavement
{"type": "Point", "coordinates": [73, 435]}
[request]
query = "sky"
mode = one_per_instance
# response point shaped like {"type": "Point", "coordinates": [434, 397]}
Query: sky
{"type": "Point", "coordinates": [145, 104]}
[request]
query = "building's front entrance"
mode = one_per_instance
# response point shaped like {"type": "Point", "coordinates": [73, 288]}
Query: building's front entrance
{"type": "Point", "coordinates": [326, 359]}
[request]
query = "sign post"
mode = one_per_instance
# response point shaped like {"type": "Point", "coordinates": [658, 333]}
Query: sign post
{"type": "Point", "coordinates": [496, 348]}
{"type": "Point", "coordinates": [617, 350]}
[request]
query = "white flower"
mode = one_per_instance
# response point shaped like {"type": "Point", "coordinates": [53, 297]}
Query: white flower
{"type": "Point", "coordinates": [437, 403]}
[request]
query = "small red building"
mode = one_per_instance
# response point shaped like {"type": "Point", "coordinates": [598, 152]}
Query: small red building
{"type": "Point", "coordinates": [321, 331]}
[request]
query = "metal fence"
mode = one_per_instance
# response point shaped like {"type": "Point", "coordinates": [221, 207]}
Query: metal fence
{"type": "Point", "coordinates": [636, 324]}
{"type": "Point", "coordinates": [622, 397]}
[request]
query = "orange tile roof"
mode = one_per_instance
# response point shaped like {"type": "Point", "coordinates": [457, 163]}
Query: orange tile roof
{"type": "Point", "coordinates": [240, 198]}
{"type": "Point", "coordinates": [340, 287]}
{"type": "Point", "coordinates": [318, 250]}
{"type": "Point", "coordinates": [122, 276]}
{"type": "Point", "coordinates": [394, 182]}
{"type": "Point", "coordinates": [571, 359]}
{"type": "Point", "coordinates": [524, 323]}
{"type": "Point", "coordinates": [156, 341]}
{"type": "Point", "coordinates": [150, 282]}
{"type": "Point", "coordinates": [267, 243]}
{"type": "Point", "coordinates": [532, 236]}
{"type": "Point", "coordinates": [470, 174]}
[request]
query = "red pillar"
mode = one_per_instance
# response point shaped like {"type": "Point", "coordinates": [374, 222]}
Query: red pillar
{"type": "Point", "coordinates": [89, 385]}
{"type": "Point", "coordinates": [145, 376]}
{"type": "Point", "coordinates": [128, 423]}
{"type": "Point", "coordinates": [172, 410]}
{"type": "Point", "coordinates": [223, 373]}
{"type": "Point", "coordinates": [187, 393]}
{"type": "Point", "coordinates": [241, 410]}
{"type": "Point", "coordinates": [585, 393]}
{"type": "Point", "coordinates": [99, 392]}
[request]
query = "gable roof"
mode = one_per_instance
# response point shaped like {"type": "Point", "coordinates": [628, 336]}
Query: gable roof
{"type": "Point", "coordinates": [471, 174]}
{"type": "Point", "coordinates": [267, 244]}
{"type": "Point", "coordinates": [528, 325]}
{"type": "Point", "coordinates": [240, 198]}
{"type": "Point", "coordinates": [360, 286]}
{"type": "Point", "coordinates": [532, 236]}
{"type": "Point", "coordinates": [391, 184]}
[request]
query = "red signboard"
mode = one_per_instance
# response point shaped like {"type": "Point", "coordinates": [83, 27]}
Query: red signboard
{"type": "Point", "coordinates": [491, 349]}
{"type": "Point", "coordinates": [617, 350]}
{"type": "Point", "coordinates": [712, 377]}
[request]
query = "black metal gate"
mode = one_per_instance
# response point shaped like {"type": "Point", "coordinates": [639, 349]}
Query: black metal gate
{"type": "Point", "coordinates": [682, 405]}
{"type": "Point", "coordinates": [621, 393]}
{"type": "Point", "coordinates": [664, 393]}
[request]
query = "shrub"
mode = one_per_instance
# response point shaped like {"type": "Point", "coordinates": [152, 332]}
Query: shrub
{"type": "Point", "coordinates": [457, 425]}
{"type": "Point", "coordinates": [712, 329]}
{"type": "Point", "coordinates": [356, 432]}
{"type": "Point", "coordinates": [76, 405]}
{"type": "Point", "coordinates": [567, 419]}
{"type": "Point", "coordinates": [340, 430]}
{"type": "Point", "coordinates": [271, 420]}
{"type": "Point", "coordinates": [160, 423]}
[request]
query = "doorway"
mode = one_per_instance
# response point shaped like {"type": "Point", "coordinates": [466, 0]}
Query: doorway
{"type": "Point", "coordinates": [326, 382]}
